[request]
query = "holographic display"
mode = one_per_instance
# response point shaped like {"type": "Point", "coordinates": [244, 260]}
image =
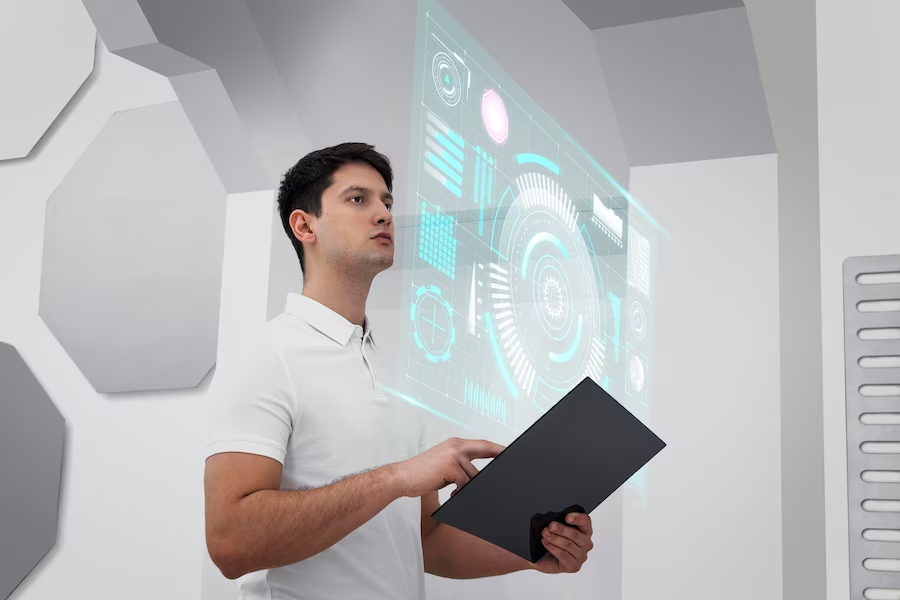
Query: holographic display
{"type": "Point", "coordinates": [533, 267]}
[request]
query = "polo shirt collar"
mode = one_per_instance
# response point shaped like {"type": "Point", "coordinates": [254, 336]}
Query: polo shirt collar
{"type": "Point", "coordinates": [325, 320]}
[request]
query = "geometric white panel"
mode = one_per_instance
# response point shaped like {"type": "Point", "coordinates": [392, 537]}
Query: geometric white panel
{"type": "Point", "coordinates": [132, 262]}
{"type": "Point", "coordinates": [47, 50]}
{"type": "Point", "coordinates": [32, 433]}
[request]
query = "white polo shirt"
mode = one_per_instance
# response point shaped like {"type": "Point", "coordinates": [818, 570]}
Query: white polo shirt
{"type": "Point", "coordinates": [306, 394]}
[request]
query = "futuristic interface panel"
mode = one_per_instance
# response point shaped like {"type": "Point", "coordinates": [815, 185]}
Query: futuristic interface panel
{"type": "Point", "coordinates": [531, 268]}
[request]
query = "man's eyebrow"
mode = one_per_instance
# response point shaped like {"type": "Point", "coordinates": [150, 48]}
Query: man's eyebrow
{"type": "Point", "coordinates": [364, 190]}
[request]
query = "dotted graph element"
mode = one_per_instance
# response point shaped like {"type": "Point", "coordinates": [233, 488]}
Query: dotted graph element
{"type": "Point", "coordinates": [616, 304]}
{"type": "Point", "coordinates": [437, 242]}
{"type": "Point", "coordinates": [487, 403]}
{"type": "Point", "coordinates": [432, 319]}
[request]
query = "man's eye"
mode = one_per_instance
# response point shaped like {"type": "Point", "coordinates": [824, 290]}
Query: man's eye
{"type": "Point", "coordinates": [390, 207]}
{"type": "Point", "coordinates": [357, 198]}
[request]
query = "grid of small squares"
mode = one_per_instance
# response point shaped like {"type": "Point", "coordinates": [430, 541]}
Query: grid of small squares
{"type": "Point", "coordinates": [437, 245]}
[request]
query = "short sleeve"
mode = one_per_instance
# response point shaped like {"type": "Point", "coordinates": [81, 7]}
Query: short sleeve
{"type": "Point", "coordinates": [251, 404]}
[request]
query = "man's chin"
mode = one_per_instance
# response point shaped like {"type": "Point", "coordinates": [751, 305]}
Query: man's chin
{"type": "Point", "coordinates": [377, 264]}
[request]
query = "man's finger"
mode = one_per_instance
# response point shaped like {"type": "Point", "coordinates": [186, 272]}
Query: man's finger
{"type": "Point", "coordinates": [461, 479]}
{"type": "Point", "coordinates": [468, 467]}
{"type": "Point", "coordinates": [567, 562]}
{"type": "Point", "coordinates": [480, 449]}
{"type": "Point", "coordinates": [571, 533]}
{"type": "Point", "coordinates": [565, 543]}
{"type": "Point", "coordinates": [582, 522]}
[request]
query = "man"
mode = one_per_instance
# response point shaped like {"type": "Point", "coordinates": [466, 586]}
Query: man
{"type": "Point", "coordinates": [316, 484]}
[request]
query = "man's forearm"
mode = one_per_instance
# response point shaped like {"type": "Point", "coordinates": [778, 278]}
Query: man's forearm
{"type": "Point", "coordinates": [273, 528]}
{"type": "Point", "coordinates": [453, 553]}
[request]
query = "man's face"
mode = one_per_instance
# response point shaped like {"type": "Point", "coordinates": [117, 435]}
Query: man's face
{"type": "Point", "coordinates": [355, 231]}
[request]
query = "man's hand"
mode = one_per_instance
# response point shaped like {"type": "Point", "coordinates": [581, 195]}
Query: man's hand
{"type": "Point", "coordinates": [567, 545]}
{"type": "Point", "coordinates": [448, 462]}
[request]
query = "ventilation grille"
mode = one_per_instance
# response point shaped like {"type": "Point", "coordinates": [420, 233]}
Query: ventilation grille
{"type": "Point", "coordinates": [872, 355]}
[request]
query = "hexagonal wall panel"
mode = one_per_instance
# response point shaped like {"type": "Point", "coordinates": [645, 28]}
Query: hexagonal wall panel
{"type": "Point", "coordinates": [48, 52]}
{"type": "Point", "coordinates": [31, 452]}
{"type": "Point", "coordinates": [133, 247]}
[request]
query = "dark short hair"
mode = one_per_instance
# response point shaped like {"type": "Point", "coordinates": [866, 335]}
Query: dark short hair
{"type": "Point", "coordinates": [303, 184]}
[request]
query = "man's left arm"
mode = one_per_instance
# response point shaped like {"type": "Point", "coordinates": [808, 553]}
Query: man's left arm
{"type": "Point", "coordinates": [455, 554]}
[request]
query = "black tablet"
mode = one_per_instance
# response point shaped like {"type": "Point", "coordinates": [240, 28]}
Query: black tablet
{"type": "Point", "coordinates": [570, 460]}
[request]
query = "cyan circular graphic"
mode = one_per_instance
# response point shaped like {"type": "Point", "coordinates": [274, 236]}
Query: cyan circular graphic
{"type": "Point", "coordinates": [545, 301]}
{"type": "Point", "coordinates": [446, 78]}
{"type": "Point", "coordinates": [638, 321]}
{"type": "Point", "coordinates": [432, 319]}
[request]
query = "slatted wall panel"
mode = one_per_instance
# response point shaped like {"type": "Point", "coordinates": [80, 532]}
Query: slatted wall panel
{"type": "Point", "coordinates": [872, 357]}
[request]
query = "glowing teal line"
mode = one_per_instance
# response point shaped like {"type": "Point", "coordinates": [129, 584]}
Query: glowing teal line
{"type": "Point", "coordinates": [497, 218]}
{"type": "Point", "coordinates": [456, 138]}
{"type": "Point", "coordinates": [565, 356]}
{"type": "Point", "coordinates": [444, 168]}
{"type": "Point", "coordinates": [449, 145]}
{"type": "Point", "coordinates": [538, 159]}
{"type": "Point", "coordinates": [537, 239]}
{"type": "Point", "coordinates": [453, 188]}
{"type": "Point", "coordinates": [499, 357]}
{"type": "Point", "coordinates": [427, 408]}
{"type": "Point", "coordinates": [452, 161]}
{"type": "Point", "coordinates": [616, 185]}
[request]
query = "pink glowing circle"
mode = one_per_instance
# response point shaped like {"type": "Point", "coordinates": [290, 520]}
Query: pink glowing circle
{"type": "Point", "coordinates": [493, 113]}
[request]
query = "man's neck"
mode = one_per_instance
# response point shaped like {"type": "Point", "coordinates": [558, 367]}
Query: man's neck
{"type": "Point", "coordinates": [344, 295]}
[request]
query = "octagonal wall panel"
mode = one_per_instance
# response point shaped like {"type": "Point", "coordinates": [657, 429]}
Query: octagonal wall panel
{"type": "Point", "coordinates": [48, 53]}
{"type": "Point", "coordinates": [32, 433]}
{"type": "Point", "coordinates": [133, 247]}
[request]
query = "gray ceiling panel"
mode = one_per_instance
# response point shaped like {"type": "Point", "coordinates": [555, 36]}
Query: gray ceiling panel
{"type": "Point", "coordinates": [32, 433]}
{"type": "Point", "coordinates": [183, 37]}
{"type": "Point", "coordinates": [687, 89]}
{"type": "Point", "coordinates": [133, 248]}
{"type": "Point", "coordinates": [602, 14]}
{"type": "Point", "coordinates": [48, 53]}
{"type": "Point", "coordinates": [227, 127]}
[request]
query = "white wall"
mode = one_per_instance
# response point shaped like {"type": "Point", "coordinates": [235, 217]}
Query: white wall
{"type": "Point", "coordinates": [784, 36]}
{"type": "Point", "coordinates": [859, 148]}
{"type": "Point", "coordinates": [131, 516]}
{"type": "Point", "coordinates": [131, 513]}
{"type": "Point", "coordinates": [712, 526]}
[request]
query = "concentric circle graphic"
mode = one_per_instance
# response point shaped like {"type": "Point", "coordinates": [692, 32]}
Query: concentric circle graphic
{"type": "Point", "coordinates": [554, 298]}
{"type": "Point", "coordinates": [432, 319]}
{"type": "Point", "coordinates": [545, 298]}
{"type": "Point", "coordinates": [638, 321]}
{"type": "Point", "coordinates": [446, 78]}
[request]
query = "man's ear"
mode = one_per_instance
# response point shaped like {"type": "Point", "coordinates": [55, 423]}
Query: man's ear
{"type": "Point", "coordinates": [301, 225]}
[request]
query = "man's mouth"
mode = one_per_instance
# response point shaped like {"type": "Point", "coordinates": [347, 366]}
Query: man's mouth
{"type": "Point", "coordinates": [385, 236]}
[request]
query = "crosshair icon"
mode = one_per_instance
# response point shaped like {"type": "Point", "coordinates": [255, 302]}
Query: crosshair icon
{"type": "Point", "coordinates": [432, 317]}
{"type": "Point", "coordinates": [433, 322]}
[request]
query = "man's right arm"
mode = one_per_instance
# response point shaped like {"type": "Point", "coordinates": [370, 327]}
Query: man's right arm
{"type": "Point", "coordinates": [251, 524]}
